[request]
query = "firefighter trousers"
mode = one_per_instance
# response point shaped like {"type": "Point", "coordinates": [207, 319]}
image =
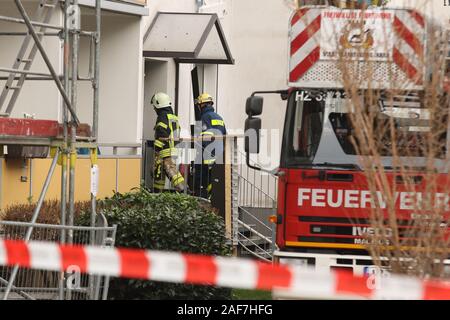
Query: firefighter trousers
{"type": "Point", "coordinates": [203, 180]}
{"type": "Point", "coordinates": [167, 167]}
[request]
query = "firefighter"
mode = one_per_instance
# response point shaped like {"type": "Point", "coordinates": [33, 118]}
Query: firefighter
{"type": "Point", "coordinates": [211, 149]}
{"type": "Point", "coordinates": [167, 129]}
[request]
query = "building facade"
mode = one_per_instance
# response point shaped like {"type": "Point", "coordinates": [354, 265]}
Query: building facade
{"type": "Point", "coordinates": [257, 36]}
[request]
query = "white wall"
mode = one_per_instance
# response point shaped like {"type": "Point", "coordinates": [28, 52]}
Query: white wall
{"type": "Point", "coordinates": [258, 36]}
{"type": "Point", "coordinates": [156, 80]}
{"type": "Point", "coordinates": [37, 97]}
{"type": "Point", "coordinates": [121, 73]}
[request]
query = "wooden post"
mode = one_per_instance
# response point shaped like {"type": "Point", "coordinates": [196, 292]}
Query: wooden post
{"type": "Point", "coordinates": [221, 191]}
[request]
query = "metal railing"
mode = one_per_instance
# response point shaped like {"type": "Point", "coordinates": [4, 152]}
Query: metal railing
{"type": "Point", "coordinates": [19, 283]}
{"type": "Point", "coordinates": [137, 2]}
{"type": "Point", "coordinates": [133, 147]}
{"type": "Point", "coordinates": [257, 192]}
{"type": "Point", "coordinates": [114, 154]}
{"type": "Point", "coordinates": [257, 188]}
{"type": "Point", "coordinates": [255, 243]}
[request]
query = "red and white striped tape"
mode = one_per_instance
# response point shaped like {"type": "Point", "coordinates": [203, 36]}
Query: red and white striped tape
{"type": "Point", "coordinates": [408, 52]}
{"type": "Point", "coordinates": [208, 270]}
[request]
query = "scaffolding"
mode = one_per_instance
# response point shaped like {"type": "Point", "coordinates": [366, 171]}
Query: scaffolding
{"type": "Point", "coordinates": [64, 145]}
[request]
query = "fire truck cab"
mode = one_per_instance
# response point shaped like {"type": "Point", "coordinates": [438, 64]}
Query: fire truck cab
{"type": "Point", "coordinates": [323, 199]}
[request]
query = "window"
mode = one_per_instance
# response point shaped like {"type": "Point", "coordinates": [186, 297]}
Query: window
{"type": "Point", "coordinates": [413, 128]}
{"type": "Point", "coordinates": [304, 123]}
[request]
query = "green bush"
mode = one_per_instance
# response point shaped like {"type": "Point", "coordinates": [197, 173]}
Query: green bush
{"type": "Point", "coordinates": [50, 212]}
{"type": "Point", "coordinates": [169, 222]}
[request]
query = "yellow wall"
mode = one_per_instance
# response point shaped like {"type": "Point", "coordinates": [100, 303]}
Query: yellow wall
{"type": "Point", "coordinates": [13, 191]}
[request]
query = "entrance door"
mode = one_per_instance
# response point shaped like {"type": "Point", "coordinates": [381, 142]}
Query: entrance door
{"type": "Point", "coordinates": [155, 80]}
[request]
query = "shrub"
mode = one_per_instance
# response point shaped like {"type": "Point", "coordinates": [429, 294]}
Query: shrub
{"type": "Point", "coordinates": [169, 222]}
{"type": "Point", "coordinates": [50, 212]}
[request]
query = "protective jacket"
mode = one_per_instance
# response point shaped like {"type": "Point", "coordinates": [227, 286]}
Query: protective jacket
{"type": "Point", "coordinates": [167, 129]}
{"type": "Point", "coordinates": [213, 126]}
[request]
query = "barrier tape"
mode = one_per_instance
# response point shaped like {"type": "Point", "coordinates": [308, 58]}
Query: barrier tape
{"type": "Point", "coordinates": [219, 271]}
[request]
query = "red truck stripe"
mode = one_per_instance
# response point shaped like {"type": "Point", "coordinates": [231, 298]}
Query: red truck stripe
{"type": "Point", "coordinates": [305, 35]}
{"type": "Point", "coordinates": [408, 36]}
{"type": "Point", "coordinates": [406, 66]}
{"type": "Point", "coordinates": [298, 15]}
{"type": "Point", "coordinates": [305, 65]}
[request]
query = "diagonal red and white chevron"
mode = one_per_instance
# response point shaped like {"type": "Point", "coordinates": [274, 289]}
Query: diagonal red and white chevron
{"type": "Point", "coordinates": [408, 52]}
{"type": "Point", "coordinates": [305, 42]}
{"type": "Point", "coordinates": [409, 49]}
{"type": "Point", "coordinates": [220, 271]}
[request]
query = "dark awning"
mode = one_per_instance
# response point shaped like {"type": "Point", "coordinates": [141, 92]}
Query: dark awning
{"type": "Point", "coordinates": [188, 38]}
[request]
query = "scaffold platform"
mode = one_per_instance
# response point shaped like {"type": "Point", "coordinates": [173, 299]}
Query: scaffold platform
{"type": "Point", "coordinates": [31, 132]}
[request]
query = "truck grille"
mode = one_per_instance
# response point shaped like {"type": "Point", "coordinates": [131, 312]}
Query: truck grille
{"type": "Point", "coordinates": [350, 231]}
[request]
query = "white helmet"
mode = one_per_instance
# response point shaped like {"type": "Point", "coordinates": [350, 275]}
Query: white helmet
{"type": "Point", "coordinates": [161, 100]}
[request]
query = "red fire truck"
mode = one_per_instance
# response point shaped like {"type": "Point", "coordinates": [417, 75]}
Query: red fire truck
{"type": "Point", "coordinates": [324, 201]}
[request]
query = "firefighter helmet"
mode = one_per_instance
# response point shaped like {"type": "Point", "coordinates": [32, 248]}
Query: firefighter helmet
{"type": "Point", "coordinates": [161, 100]}
{"type": "Point", "coordinates": [204, 98]}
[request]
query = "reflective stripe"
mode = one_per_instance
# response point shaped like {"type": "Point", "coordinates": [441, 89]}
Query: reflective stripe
{"type": "Point", "coordinates": [178, 175]}
{"type": "Point", "coordinates": [207, 133]}
{"type": "Point", "coordinates": [162, 124]}
{"type": "Point", "coordinates": [209, 161]}
{"type": "Point", "coordinates": [325, 245]}
{"type": "Point", "coordinates": [178, 182]}
{"type": "Point", "coordinates": [159, 144]}
{"type": "Point", "coordinates": [166, 153]}
{"type": "Point", "coordinates": [174, 131]}
{"type": "Point", "coordinates": [171, 152]}
{"type": "Point", "coordinates": [172, 117]}
{"type": "Point", "coordinates": [159, 185]}
{"type": "Point", "coordinates": [177, 179]}
{"type": "Point", "coordinates": [217, 123]}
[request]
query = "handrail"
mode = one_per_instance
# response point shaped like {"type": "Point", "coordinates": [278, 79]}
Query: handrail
{"type": "Point", "coordinates": [246, 226]}
{"type": "Point", "coordinates": [257, 188]}
{"type": "Point", "coordinates": [254, 253]}
{"type": "Point", "coordinates": [120, 145]}
{"type": "Point", "coordinates": [205, 138]}
{"type": "Point", "coordinates": [253, 216]}
{"type": "Point", "coordinates": [115, 146]}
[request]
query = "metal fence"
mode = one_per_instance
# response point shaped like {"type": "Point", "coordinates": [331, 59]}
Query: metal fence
{"type": "Point", "coordinates": [17, 283]}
